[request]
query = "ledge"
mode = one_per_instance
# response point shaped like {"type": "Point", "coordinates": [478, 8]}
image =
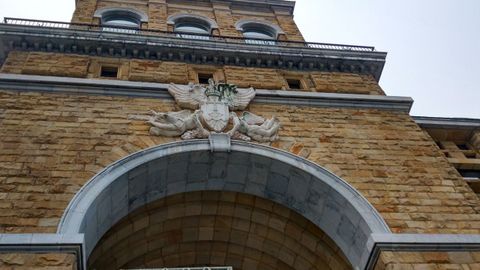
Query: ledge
{"type": "Point", "coordinates": [74, 243]}
{"type": "Point", "coordinates": [37, 83]}
{"type": "Point", "coordinates": [443, 122]}
{"type": "Point", "coordinates": [45, 243]}
{"type": "Point", "coordinates": [59, 37]}
{"type": "Point", "coordinates": [421, 243]}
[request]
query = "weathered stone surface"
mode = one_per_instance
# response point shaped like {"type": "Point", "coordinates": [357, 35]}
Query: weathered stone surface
{"type": "Point", "coordinates": [38, 63]}
{"type": "Point", "coordinates": [55, 64]}
{"type": "Point", "coordinates": [223, 14]}
{"type": "Point", "coordinates": [10, 261]}
{"type": "Point", "coordinates": [336, 82]}
{"type": "Point", "coordinates": [428, 260]}
{"type": "Point", "coordinates": [65, 139]}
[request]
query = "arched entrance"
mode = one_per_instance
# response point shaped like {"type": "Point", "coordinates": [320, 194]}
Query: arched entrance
{"type": "Point", "coordinates": [297, 184]}
{"type": "Point", "coordinates": [216, 228]}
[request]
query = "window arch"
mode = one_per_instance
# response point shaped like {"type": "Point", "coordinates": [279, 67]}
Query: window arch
{"type": "Point", "coordinates": [192, 26]}
{"type": "Point", "coordinates": [258, 32]}
{"type": "Point", "coordinates": [117, 19]}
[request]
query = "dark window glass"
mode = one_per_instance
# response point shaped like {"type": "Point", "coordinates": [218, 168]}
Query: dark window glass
{"type": "Point", "coordinates": [119, 20]}
{"type": "Point", "coordinates": [204, 77]}
{"type": "Point", "coordinates": [294, 84]}
{"type": "Point", "coordinates": [192, 28]}
{"type": "Point", "coordinates": [258, 34]}
{"type": "Point", "coordinates": [463, 146]}
{"type": "Point", "coordinates": [470, 173]}
{"type": "Point", "coordinates": [109, 72]}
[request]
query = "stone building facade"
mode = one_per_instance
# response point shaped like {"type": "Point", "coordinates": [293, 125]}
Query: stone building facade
{"type": "Point", "coordinates": [350, 180]}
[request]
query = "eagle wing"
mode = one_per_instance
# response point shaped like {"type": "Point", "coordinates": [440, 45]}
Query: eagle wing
{"type": "Point", "coordinates": [188, 97]}
{"type": "Point", "coordinates": [242, 99]}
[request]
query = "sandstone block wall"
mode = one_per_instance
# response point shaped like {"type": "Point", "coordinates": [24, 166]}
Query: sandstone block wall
{"type": "Point", "coordinates": [55, 64]}
{"type": "Point", "coordinates": [51, 144]}
{"type": "Point", "coordinates": [30, 261]}
{"type": "Point", "coordinates": [428, 260]}
{"type": "Point", "coordinates": [225, 15]}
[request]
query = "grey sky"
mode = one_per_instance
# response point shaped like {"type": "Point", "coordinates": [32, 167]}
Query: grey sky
{"type": "Point", "coordinates": [433, 45]}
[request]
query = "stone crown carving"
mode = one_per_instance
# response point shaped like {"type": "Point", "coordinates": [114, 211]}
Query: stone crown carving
{"type": "Point", "coordinates": [213, 107]}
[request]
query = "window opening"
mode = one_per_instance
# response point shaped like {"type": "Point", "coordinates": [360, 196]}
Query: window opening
{"type": "Point", "coordinates": [463, 146]}
{"type": "Point", "coordinates": [204, 77]}
{"type": "Point", "coordinates": [471, 174]}
{"type": "Point", "coordinates": [109, 72]}
{"type": "Point", "coordinates": [258, 34]}
{"type": "Point", "coordinates": [189, 27]}
{"type": "Point", "coordinates": [294, 84]}
{"type": "Point", "coordinates": [120, 22]}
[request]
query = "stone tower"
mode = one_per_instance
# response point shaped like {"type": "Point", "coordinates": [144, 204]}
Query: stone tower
{"type": "Point", "coordinates": [189, 134]}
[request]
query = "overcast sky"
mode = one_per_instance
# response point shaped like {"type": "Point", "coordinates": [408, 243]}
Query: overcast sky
{"type": "Point", "coordinates": [433, 45]}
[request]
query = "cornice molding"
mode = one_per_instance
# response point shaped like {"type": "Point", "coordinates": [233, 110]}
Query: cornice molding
{"type": "Point", "coordinates": [68, 85]}
{"type": "Point", "coordinates": [448, 123]}
{"type": "Point", "coordinates": [169, 47]}
{"type": "Point", "coordinates": [420, 243]}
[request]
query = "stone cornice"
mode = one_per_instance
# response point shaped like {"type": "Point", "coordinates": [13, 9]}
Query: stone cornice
{"type": "Point", "coordinates": [450, 123]}
{"type": "Point", "coordinates": [159, 90]}
{"type": "Point", "coordinates": [420, 243]}
{"type": "Point", "coordinates": [168, 47]}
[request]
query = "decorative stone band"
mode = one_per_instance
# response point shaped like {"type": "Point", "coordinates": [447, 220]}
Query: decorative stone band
{"type": "Point", "coordinates": [74, 244]}
{"type": "Point", "coordinates": [159, 90]}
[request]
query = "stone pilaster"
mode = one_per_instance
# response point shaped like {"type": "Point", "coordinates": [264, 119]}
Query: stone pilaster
{"type": "Point", "coordinates": [224, 19]}
{"type": "Point", "coordinates": [157, 15]}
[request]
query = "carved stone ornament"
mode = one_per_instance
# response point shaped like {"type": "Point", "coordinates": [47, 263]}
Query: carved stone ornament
{"type": "Point", "coordinates": [213, 108]}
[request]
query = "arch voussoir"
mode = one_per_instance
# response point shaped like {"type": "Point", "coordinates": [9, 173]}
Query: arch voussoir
{"type": "Point", "coordinates": [155, 173]}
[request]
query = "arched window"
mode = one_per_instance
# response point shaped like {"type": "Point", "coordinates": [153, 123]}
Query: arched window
{"type": "Point", "coordinates": [185, 27]}
{"type": "Point", "coordinates": [120, 20]}
{"type": "Point", "coordinates": [192, 26]}
{"type": "Point", "coordinates": [258, 32]}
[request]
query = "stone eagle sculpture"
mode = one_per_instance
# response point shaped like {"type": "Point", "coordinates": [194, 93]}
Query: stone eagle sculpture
{"type": "Point", "coordinates": [213, 108]}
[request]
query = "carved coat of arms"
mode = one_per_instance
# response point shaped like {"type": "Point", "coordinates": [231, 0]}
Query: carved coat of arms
{"type": "Point", "coordinates": [210, 110]}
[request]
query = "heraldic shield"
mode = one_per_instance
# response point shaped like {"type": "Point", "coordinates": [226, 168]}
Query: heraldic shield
{"type": "Point", "coordinates": [209, 109]}
{"type": "Point", "coordinates": [216, 115]}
